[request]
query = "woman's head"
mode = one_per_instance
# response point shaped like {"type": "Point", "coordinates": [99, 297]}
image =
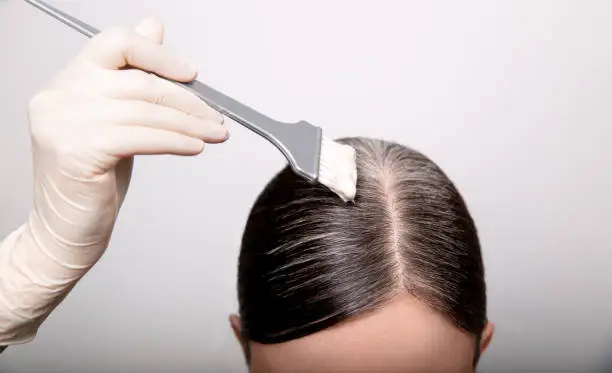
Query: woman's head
{"type": "Point", "coordinates": [393, 282]}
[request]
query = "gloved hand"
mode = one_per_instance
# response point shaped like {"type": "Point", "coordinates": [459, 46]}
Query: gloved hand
{"type": "Point", "coordinates": [86, 126]}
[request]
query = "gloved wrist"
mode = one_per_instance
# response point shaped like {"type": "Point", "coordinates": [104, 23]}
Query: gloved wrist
{"type": "Point", "coordinates": [73, 217]}
{"type": "Point", "coordinates": [38, 270]}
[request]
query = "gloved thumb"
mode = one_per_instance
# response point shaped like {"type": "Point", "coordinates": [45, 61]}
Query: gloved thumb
{"type": "Point", "coordinates": [152, 29]}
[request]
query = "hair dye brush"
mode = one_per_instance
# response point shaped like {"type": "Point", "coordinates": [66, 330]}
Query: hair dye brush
{"type": "Point", "coordinates": [310, 154]}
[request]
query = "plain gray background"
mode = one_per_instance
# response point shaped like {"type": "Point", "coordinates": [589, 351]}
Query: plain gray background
{"type": "Point", "coordinates": [512, 98]}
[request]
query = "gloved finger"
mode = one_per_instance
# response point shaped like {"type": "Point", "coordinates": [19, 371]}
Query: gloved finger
{"type": "Point", "coordinates": [139, 85]}
{"type": "Point", "coordinates": [145, 114]}
{"type": "Point", "coordinates": [127, 141]}
{"type": "Point", "coordinates": [152, 29]}
{"type": "Point", "coordinates": [118, 47]}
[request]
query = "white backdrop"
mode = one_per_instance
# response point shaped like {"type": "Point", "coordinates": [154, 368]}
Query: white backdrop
{"type": "Point", "coordinates": [511, 98]}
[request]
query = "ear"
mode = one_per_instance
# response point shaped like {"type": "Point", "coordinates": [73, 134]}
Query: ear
{"type": "Point", "coordinates": [487, 336]}
{"type": "Point", "coordinates": [237, 328]}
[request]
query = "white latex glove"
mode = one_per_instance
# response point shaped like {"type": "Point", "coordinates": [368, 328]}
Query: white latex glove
{"type": "Point", "coordinates": [86, 126]}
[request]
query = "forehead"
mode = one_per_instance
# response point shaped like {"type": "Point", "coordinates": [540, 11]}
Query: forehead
{"type": "Point", "coordinates": [404, 336]}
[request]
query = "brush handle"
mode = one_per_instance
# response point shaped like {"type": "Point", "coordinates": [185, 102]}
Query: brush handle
{"type": "Point", "coordinates": [250, 118]}
{"type": "Point", "coordinates": [299, 142]}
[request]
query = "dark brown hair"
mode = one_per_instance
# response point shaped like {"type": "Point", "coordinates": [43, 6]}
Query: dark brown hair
{"type": "Point", "coordinates": [309, 260]}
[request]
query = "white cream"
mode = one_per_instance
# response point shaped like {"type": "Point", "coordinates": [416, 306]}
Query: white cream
{"type": "Point", "coordinates": [338, 169]}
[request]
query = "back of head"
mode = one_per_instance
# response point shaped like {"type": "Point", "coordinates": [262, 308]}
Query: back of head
{"type": "Point", "coordinates": [310, 262]}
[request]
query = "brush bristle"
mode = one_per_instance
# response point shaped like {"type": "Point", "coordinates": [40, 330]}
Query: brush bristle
{"type": "Point", "coordinates": [338, 168]}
